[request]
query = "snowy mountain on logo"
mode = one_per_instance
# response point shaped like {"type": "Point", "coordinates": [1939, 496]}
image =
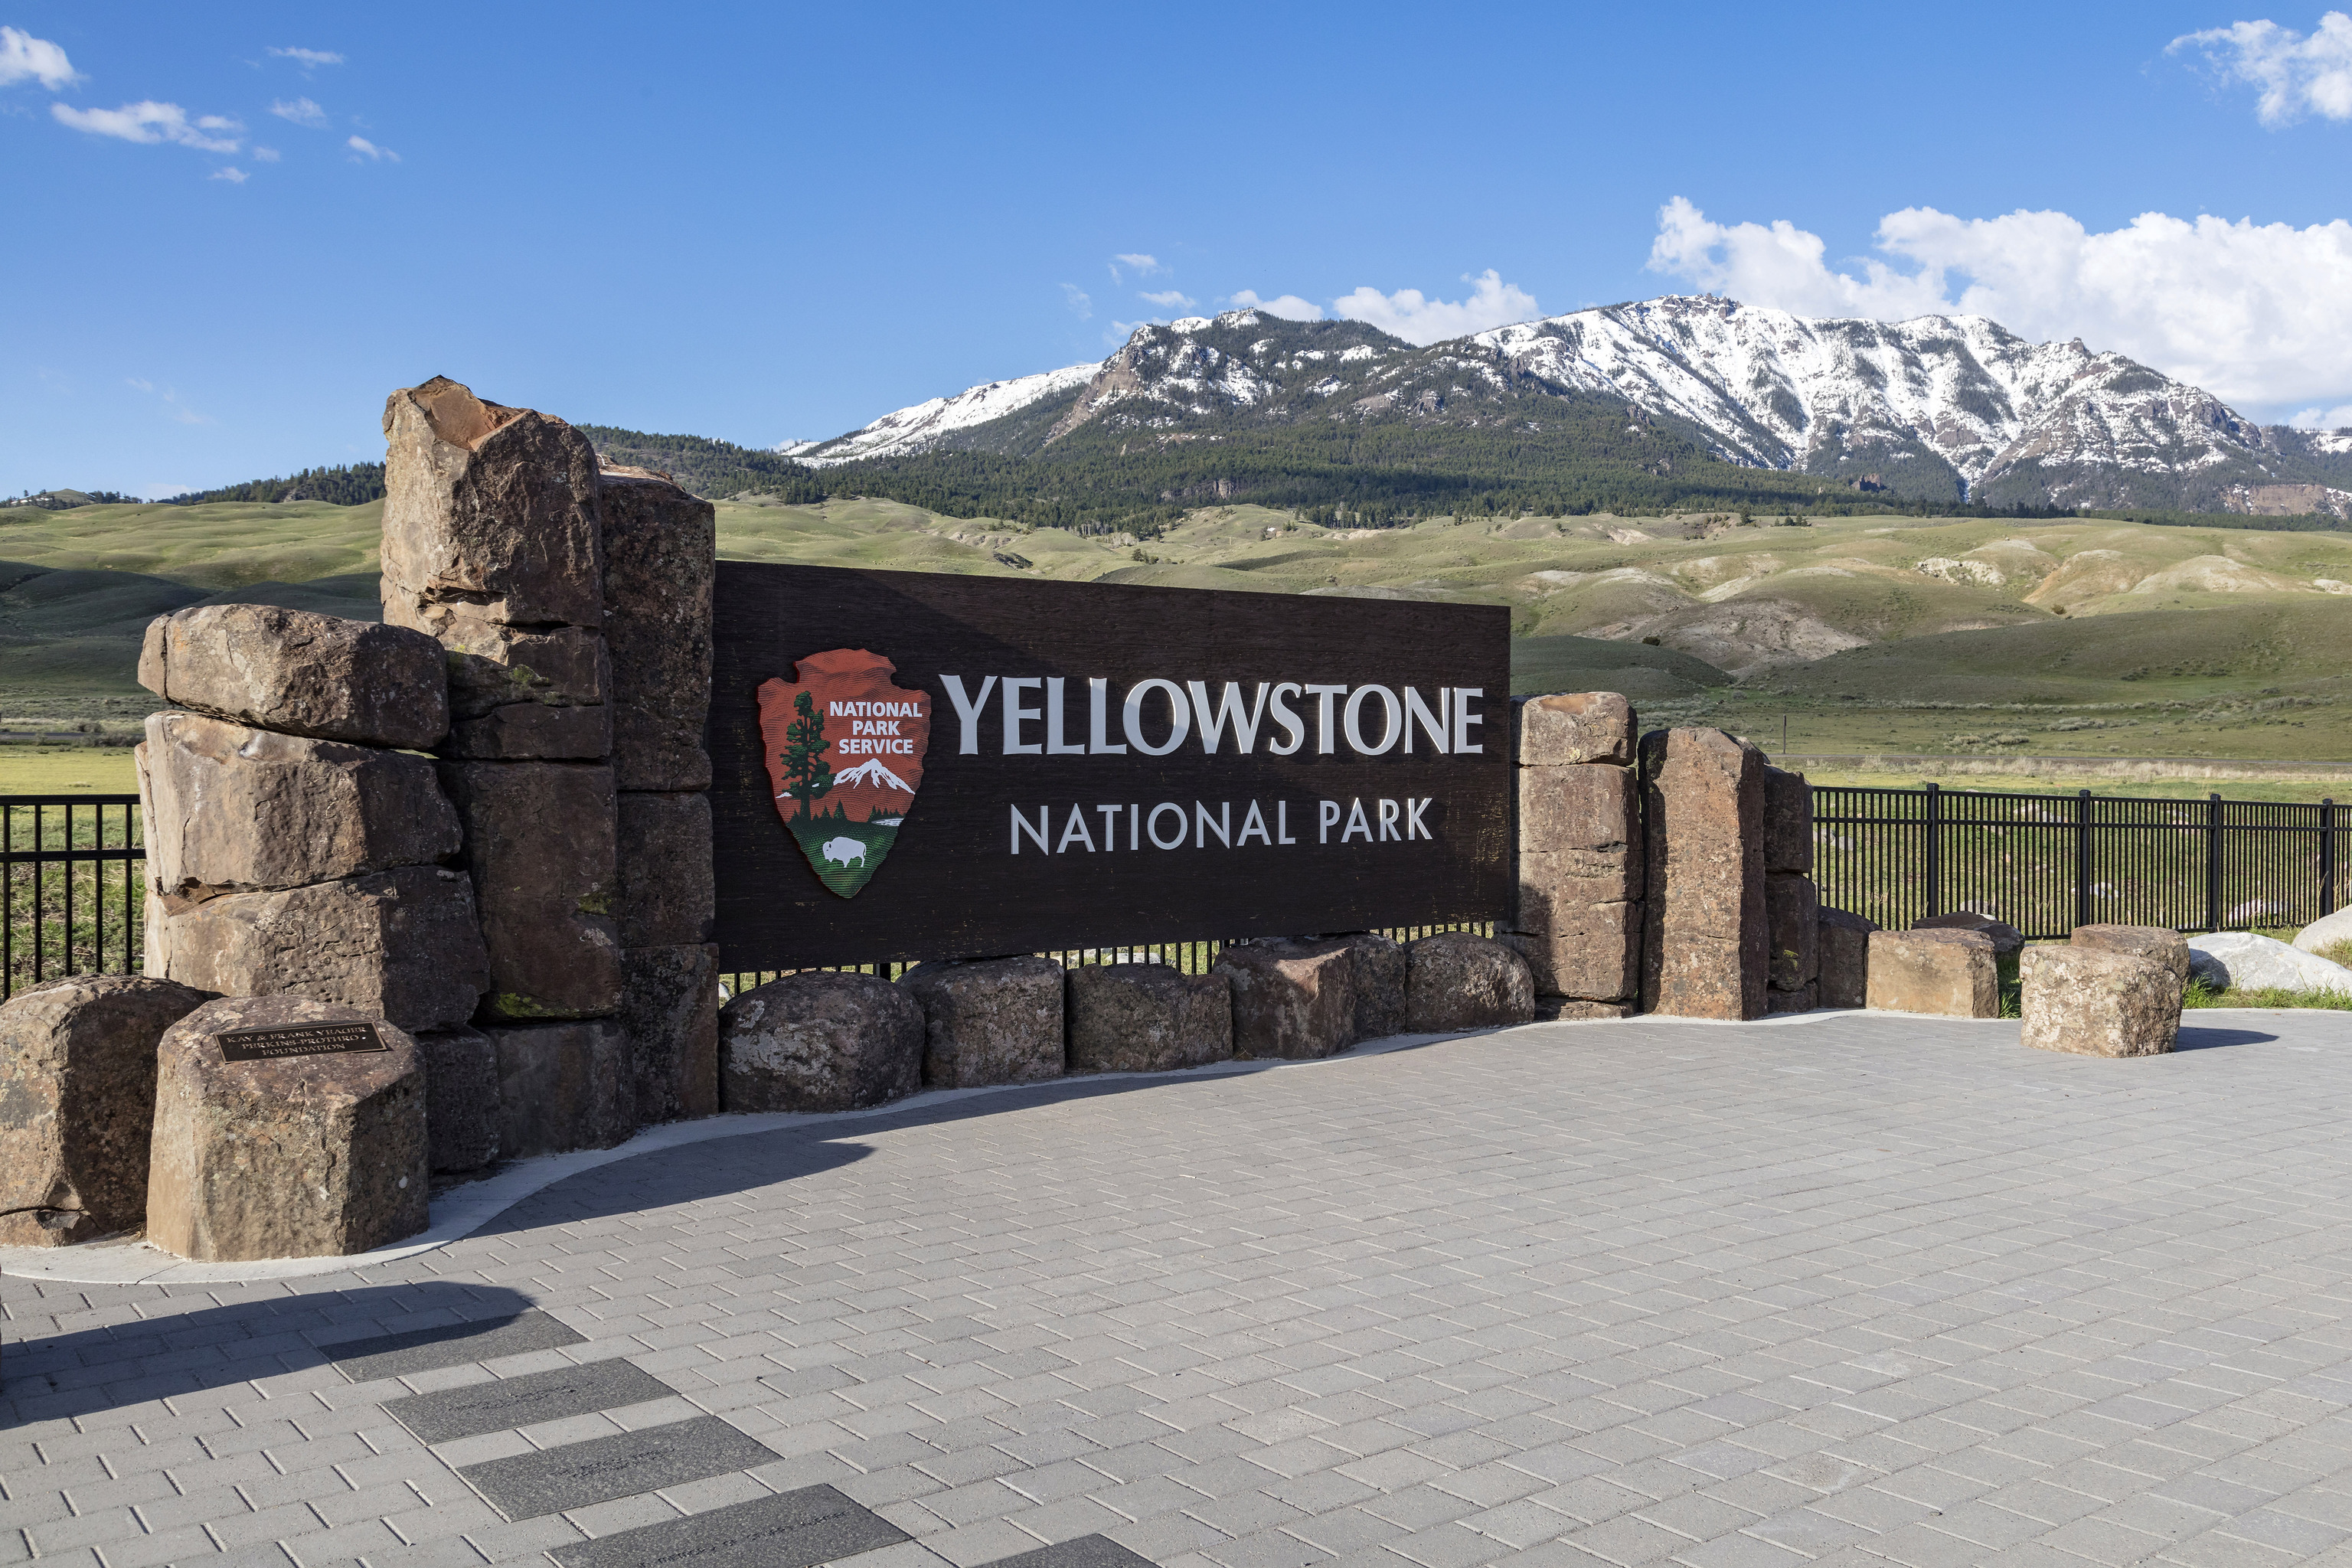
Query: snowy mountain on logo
{"type": "Point", "coordinates": [872, 772]}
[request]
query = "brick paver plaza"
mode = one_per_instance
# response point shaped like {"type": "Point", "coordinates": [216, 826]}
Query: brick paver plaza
{"type": "Point", "coordinates": [1851, 1290]}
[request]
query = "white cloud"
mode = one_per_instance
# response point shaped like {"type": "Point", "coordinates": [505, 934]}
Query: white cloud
{"type": "Point", "coordinates": [309, 57]}
{"type": "Point", "coordinates": [1081, 305]}
{"type": "Point", "coordinates": [1141, 265]}
{"type": "Point", "coordinates": [235, 176]}
{"type": "Point", "coordinates": [2323, 418]}
{"type": "Point", "coordinates": [1168, 299]}
{"type": "Point", "coordinates": [149, 121]}
{"type": "Point", "coordinates": [265, 155]}
{"type": "Point", "coordinates": [1408, 315]}
{"type": "Point", "coordinates": [370, 151]}
{"type": "Point", "coordinates": [1289, 307]}
{"type": "Point", "coordinates": [2297, 73]}
{"type": "Point", "coordinates": [24, 57]}
{"type": "Point", "coordinates": [301, 112]}
{"type": "Point", "coordinates": [2254, 313]}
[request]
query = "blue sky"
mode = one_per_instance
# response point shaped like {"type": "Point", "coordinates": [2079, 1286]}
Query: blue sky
{"type": "Point", "coordinates": [234, 229]}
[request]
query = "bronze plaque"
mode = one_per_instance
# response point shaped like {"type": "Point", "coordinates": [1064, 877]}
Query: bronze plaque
{"type": "Point", "coordinates": [275, 1041]}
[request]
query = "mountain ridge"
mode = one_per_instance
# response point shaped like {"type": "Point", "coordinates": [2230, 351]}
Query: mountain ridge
{"type": "Point", "coordinates": [1937, 408]}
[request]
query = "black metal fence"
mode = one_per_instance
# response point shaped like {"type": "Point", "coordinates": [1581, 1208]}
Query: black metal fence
{"type": "Point", "coordinates": [2048, 863]}
{"type": "Point", "coordinates": [75, 867]}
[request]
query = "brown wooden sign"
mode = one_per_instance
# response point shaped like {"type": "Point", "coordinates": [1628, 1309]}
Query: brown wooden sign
{"type": "Point", "coordinates": [275, 1041]}
{"type": "Point", "coordinates": [910, 765]}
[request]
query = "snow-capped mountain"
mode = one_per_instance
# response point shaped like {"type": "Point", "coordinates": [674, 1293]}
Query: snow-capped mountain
{"type": "Point", "coordinates": [1938, 406]}
{"type": "Point", "coordinates": [872, 772]}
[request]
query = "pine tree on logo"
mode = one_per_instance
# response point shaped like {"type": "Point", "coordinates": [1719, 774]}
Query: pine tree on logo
{"type": "Point", "coordinates": [804, 755]}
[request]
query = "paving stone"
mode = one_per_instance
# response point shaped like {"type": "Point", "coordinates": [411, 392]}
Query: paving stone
{"type": "Point", "coordinates": [577, 1474]}
{"type": "Point", "coordinates": [452, 1344]}
{"type": "Point", "coordinates": [791, 1530]}
{"type": "Point", "coordinates": [513, 1402]}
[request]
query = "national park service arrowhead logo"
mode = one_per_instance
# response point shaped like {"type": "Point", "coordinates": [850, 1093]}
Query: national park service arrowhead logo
{"type": "Point", "coordinates": [845, 758]}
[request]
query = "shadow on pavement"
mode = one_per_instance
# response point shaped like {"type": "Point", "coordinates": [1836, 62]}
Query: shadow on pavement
{"type": "Point", "coordinates": [2204, 1038]}
{"type": "Point", "coordinates": [167, 1356]}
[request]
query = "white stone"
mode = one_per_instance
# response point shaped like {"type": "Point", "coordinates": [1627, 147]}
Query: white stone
{"type": "Point", "coordinates": [2242, 960]}
{"type": "Point", "coordinates": [2325, 931]}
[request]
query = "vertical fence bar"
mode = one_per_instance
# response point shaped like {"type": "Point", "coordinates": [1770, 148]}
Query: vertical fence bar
{"type": "Point", "coordinates": [1934, 857]}
{"type": "Point", "coordinates": [2082, 859]}
{"type": "Point", "coordinates": [2327, 855]}
{"type": "Point", "coordinates": [2213, 862]}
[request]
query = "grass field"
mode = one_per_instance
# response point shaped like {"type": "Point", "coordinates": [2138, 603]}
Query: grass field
{"type": "Point", "coordinates": [66, 769]}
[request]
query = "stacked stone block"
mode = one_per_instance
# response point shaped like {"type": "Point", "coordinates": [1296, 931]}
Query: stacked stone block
{"type": "Point", "coordinates": [294, 848]}
{"type": "Point", "coordinates": [1704, 942]}
{"type": "Point", "coordinates": [1577, 911]}
{"type": "Point", "coordinates": [1792, 905]}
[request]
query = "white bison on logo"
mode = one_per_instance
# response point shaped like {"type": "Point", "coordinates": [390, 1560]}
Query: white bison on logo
{"type": "Point", "coordinates": [844, 850]}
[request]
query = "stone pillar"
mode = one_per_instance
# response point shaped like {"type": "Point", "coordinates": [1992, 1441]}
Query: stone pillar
{"type": "Point", "coordinates": [1704, 941]}
{"type": "Point", "coordinates": [1791, 902]}
{"type": "Point", "coordinates": [291, 848]}
{"type": "Point", "coordinates": [1577, 914]}
{"type": "Point", "coordinates": [661, 549]}
{"type": "Point", "coordinates": [493, 545]}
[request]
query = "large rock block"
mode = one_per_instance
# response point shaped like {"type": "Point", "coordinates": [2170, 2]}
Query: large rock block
{"type": "Point", "coordinates": [1592, 812]}
{"type": "Point", "coordinates": [2326, 932]}
{"type": "Point", "coordinates": [1704, 938]}
{"type": "Point", "coordinates": [489, 514]}
{"type": "Point", "coordinates": [995, 1020]}
{"type": "Point", "coordinates": [1793, 909]}
{"type": "Point", "coordinates": [2007, 940]}
{"type": "Point", "coordinates": [1589, 951]}
{"type": "Point", "coordinates": [1805, 999]}
{"type": "Point", "coordinates": [1844, 958]}
{"type": "Point", "coordinates": [403, 944]}
{"type": "Point", "coordinates": [300, 673]}
{"type": "Point", "coordinates": [661, 553]}
{"type": "Point", "coordinates": [1788, 822]}
{"type": "Point", "coordinates": [669, 1009]}
{"type": "Point", "coordinates": [1381, 970]}
{"type": "Point", "coordinates": [293, 1157]}
{"type": "Point", "coordinates": [1948, 972]}
{"type": "Point", "coordinates": [819, 1041]}
{"type": "Point", "coordinates": [78, 1102]}
{"type": "Point", "coordinates": [461, 1099]}
{"type": "Point", "coordinates": [564, 1086]}
{"type": "Point", "coordinates": [524, 693]}
{"type": "Point", "coordinates": [1291, 998]}
{"type": "Point", "coordinates": [1458, 981]}
{"type": "Point", "coordinates": [1146, 1017]}
{"type": "Point", "coordinates": [667, 897]}
{"type": "Point", "coordinates": [1568, 727]}
{"type": "Point", "coordinates": [231, 809]}
{"type": "Point", "coordinates": [540, 847]}
{"type": "Point", "coordinates": [2097, 1002]}
{"type": "Point", "coordinates": [2162, 943]}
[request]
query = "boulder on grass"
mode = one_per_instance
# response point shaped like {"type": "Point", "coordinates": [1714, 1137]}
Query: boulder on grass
{"type": "Point", "coordinates": [2162, 943]}
{"type": "Point", "coordinates": [2242, 960]}
{"type": "Point", "coordinates": [1381, 968]}
{"type": "Point", "coordinates": [1941, 970]}
{"type": "Point", "coordinates": [2097, 1002]}
{"type": "Point", "coordinates": [990, 1020]}
{"type": "Point", "coordinates": [1292, 998]}
{"type": "Point", "coordinates": [300, 673]}
{"type": "Point", "coordinates": [2007, 940]}
{"type": "Point", "coordinates": [1146, 1017]}
{"type": "Point", "coordinates": [293, 1157]}
{"type": "Point", "coordinates": [78, 1102]}
{"type": "Point", "coordinates": [1458, 981]}
{"type": "Point", "coordinates": [461, 1099]}
{"type": "Point", "coordinates": [564, 1086]}
{"type": "Point", "coordinates": [1843, 939]}
{"type": "Point", "coordinates": [401, 945]}
{"type": "Point", "coordinates": [230, 809]}
{"type": "Point", "coordinates": [669, 1010]}
{"type": "Point", "coordinates": [2325, 932]}
{"type": "Point", "coordinates": [819, 1041]}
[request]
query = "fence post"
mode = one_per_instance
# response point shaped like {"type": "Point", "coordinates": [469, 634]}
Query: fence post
{"type": "Point", "coordinates": [2082, 840]}
{"type": "Point", "coordinates": [2327, 855]}
{"type": "Point", "coordinates": [1935, 849]}
{"type": "Point", "coordinates": [2213, 863]}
